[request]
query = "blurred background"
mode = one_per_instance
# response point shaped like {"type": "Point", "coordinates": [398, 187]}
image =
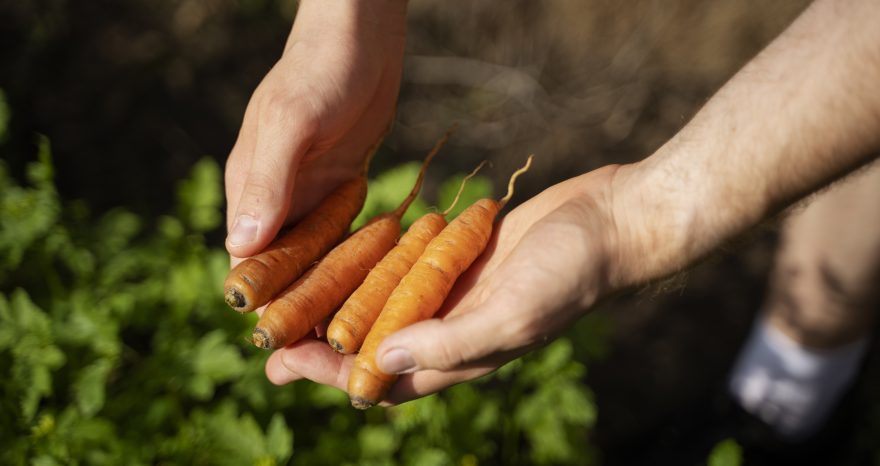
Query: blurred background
{"type": "Point", "coordinates": [138, 97]}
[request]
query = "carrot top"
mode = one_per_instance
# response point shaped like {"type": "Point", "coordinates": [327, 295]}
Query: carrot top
{"type": "Point", "coordinates": [513, 177]}
{"type": "Point", "coordinates": [400, 210]}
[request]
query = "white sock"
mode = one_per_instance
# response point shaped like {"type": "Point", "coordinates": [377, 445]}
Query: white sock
{"type": "Point", "coordinates": [792, 388]}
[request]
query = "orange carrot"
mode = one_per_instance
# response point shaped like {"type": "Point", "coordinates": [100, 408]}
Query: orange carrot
{"type": "Point", "coordinates": [423, 289]}
{"type": "Point", "coordinates": [350, 325]}
{"type": "Point", "coordinates": [309, 300]}
{"type": "Point", "coordinates": [256, 280]}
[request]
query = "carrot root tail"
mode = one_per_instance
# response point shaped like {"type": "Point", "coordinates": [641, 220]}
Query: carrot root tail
{"type": "Point", "coordinates": [262, 339]}
{"type": "Point", "coordinates": [362, 403]}
{"type": "Point", "coordinates": [461, 188]}
{"type": "Point", "coordinates": [503, 201]}
{"type": "Point", "coordinates": [336, 345]}
{"type": "Point", "coordinates": [400, 210]}
{"type": "Point", "coordinates": [235, 299]}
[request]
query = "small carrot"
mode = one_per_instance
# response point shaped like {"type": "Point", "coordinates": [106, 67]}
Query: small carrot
{"type": "Point", "coordinates": [423, 289]}
{"type": "Point", "coordinates": [256, 280]}
{"type": "Point", "coordinates": [350, 325]}
{"type": "Point", "coordinates": [309, 300]}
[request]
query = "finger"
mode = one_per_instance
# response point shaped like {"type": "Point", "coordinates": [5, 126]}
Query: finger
{"type": "Point", "coordinates": [483, 322]}
{"type": "Point", "coordinates": [321, 328]}
{"type": "Point", "coordinates": [411, 386]}
{"type": "Point", "coordinates": [234, 261]}
{"type": "Point", "coordinates": [447, 344]}
{"type": "Point", "coordinates": [286, 131]}
{"type": "Point", "coordinates": [238, 161]}
{"type": "Point", "coordinates": [521, 305]}
{"type": "Point", "coordinates": [314, 360]}
{"type": "Point", "coordinates": [277, 372]}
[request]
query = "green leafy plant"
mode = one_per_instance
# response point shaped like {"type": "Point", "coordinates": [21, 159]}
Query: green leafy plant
{"type": "Point", "coordinates": [726, 453]}
{"type": "Point", "coordinates": [116, 348]}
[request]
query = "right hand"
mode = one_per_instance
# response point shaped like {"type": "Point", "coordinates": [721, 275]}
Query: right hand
{"type": "Point", "coordinates": [549, 262]}
{"type": "Point", "coordinates": [314, 116]}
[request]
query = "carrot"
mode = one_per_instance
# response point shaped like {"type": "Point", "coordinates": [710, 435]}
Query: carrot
{"type": "Point", "coordinates": [256, 280]}
{"type": "Point", "coordinates": [309, 300]}
{"type": "Point", "coordinates": [350, 325]}
{"type": "Point", "coordinates": [423, 289]}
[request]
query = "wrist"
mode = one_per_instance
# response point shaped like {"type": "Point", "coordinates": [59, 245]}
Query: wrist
{"type": "Point", "coordinates": [655, 223]}
{"type": "Point", "coordinates": [315, 18]}
{"type": "Point", "coordinates": [589, 200]}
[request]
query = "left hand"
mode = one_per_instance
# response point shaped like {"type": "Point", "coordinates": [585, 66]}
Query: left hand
{"type": "Point", "coordinates": [547, 263]}
{"type": "Point", "coordinates": [310, 122]}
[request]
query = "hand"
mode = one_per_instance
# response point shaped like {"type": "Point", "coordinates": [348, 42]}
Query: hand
{"type": "Point", "coordinates": [553, 257]}
{"type": "Point", "coordinates": [546, 265]}
{"type": "Point", "coordinates": [312, 119]}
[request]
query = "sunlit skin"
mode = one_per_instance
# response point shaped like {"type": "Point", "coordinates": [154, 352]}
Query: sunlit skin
{"type": "Point", "coordinates": [800, 115]}
{"type": "Point", "coordinates": [314, 116]}
{"type": "Point", "coordinates": [494, 313]}
{"type": "Point", "coordinates": [309, 123]}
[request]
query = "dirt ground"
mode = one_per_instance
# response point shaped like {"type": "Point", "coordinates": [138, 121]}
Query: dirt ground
{"type": "Point", "coordinates": [132, 93]}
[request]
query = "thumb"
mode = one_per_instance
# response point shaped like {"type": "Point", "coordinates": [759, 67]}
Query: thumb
{"type": "Point", "coordinates": [446, 344]}
{"type": "Point", "coordinates": [284, 135]}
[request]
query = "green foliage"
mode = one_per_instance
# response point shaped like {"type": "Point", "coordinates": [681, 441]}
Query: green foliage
{"type": "Point", "coordinates": [116, 348]}
{"type": "Point", "coordinates": [389, 189]}
{"type": "Point", "coordinates": [558, 403]}
{"type": "Point", "coordinates": [726, 453]}
{"type": "Point", "coordinates": [386, 193]}
{"type": "Point", "coordinates": [200, 195]}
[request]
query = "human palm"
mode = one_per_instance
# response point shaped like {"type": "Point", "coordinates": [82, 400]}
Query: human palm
{"type": "Point", "coordinates": [546, 264]}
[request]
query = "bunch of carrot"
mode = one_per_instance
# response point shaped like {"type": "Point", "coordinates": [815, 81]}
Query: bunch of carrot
{"type": "Point", "coordinates": [378, 283]}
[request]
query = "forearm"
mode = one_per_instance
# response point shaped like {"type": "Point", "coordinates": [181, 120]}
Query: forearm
{"type": "Point", "coordinates": [804, 112]}
{"type": "Point", "coordinates": [359, 20]}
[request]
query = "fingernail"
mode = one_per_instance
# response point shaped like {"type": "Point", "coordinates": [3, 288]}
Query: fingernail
{"type": "Point", "coordinates": [398, 361]}
{"type": "Point", "coordinates": [244, 230]}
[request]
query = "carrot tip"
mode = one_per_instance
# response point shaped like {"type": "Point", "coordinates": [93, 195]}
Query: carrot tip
{"type": "Point", "coordinates": [362, 403]}
{"type": "Point", "coordinates": [334, 343]}
{"type": "Point", "coordinates": [235, 299]}
{"type": "Point", "coordinates": [516, 174]}
{"type": "Point", "coordinates": [262, 339]}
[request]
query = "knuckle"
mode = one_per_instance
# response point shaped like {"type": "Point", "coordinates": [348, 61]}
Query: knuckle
{"type": "Point", "coordinates": [519, 331]}
{"type": "Point", "coordinates": [516, 335]}
{"type": "Point", "coordinates": [289, 109]}
{"type": "Point", "coordinates": [232, 169]}
{"type": "Point", "coordinates": [259, 190]}
{"type": "Point", "coordinates": [448, 356]}
{"type": "Point", "coordinates": [450, 352]}
{"type": "Point", "coordinates": [524, 330]}
{"type": "Point", "coordinates": [276, 107]}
